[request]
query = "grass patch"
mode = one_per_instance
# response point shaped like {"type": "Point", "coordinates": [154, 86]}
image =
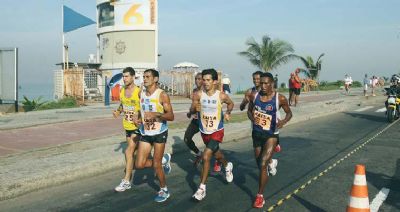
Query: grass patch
{"type": "Point", "coordinates": [67, 102]}
{"type": "Point", "coordinates": [235, 118]}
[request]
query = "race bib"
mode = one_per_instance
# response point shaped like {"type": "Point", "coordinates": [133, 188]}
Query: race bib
{"type": "Point", "coordinates": [151, 124]}
{"type": "Point", "coordinates": [262, 120]}
{"type": "Point", "coordinates": [130, 116]}
{"type": "Point", "coordinates": [209, 122]}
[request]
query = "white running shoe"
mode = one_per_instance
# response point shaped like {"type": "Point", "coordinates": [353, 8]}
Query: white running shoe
{"type": "Point", "coordinates": [228, 172]}
{"type": "Point", "coordinates": [166, 163]}
{"type": "Point", "coordinates": [124, 185]}
{"type": "Point", "coordinates": [272, 167]}
{"type": "Point", "coordinates": [200, 194]}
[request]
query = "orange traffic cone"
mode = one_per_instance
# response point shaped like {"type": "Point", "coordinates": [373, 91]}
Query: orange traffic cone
{"type": "Point", "coordinates": [359, 201]}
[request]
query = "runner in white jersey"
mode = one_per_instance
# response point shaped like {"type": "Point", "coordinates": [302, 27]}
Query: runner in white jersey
{"type": "Point", "coordinates": [208, 105]}
{"type": "Point", "coordinates": [155, 111]}
{"type": "Point", "coordinates": [263, 112]}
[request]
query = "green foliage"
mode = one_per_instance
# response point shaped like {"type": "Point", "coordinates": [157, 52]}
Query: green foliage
{"type": "Point", "coordinates": [311, 70]}
{"type": "Point", "coordinates": [34, 104]}
{"type": "Point", "coordinates": [67, 102]}
{"type": "Point", "coordinates": [269, 54]}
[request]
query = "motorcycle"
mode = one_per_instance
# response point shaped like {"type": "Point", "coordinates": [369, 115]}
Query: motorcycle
{"type": "Point", "coordinates": [392, 103]}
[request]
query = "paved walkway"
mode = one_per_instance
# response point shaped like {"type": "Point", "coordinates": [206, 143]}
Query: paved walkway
{"type": "Point", "coordinates": [26, 131]}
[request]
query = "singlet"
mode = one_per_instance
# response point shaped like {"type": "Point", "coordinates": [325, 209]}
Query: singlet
{"type": "Point", "coordinates": [266, 114]}
{"type": "Point", "coordinates": [210, 117]}
{"type": "Point", "coordinates": [152, 104]}
{"type": "Point", "coordinates": [130, 107]}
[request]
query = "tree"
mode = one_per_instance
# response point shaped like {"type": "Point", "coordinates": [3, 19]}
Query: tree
{"type": "Point", "coordinates": [312, 69]}
{"type": "Point", "coordinates": [269, 54]}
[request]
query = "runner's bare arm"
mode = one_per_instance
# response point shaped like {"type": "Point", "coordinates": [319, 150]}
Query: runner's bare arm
{"type": "Point", "coordinates": [195, 107]}
{"type": "Point", "coordinates": [229, 105]}
{"type": "Point", "coordinates": [283, 103]}
{"type": "Point", "coordinates": [168, 114]}
{"type": "Point", "coordinates": [117, 112]}
{"type": "Point", "coordinates": [250, 108]}
{"type": "Point", "coordinates": [245, 100]}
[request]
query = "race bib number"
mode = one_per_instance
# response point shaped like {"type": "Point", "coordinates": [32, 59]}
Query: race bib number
{"type": "Point", "coordinates": [210, 123]}
{"type": "Point", "coordinates": [262, 120]}
{"type": "Point", "coordinates": [130, 116]}
{"type": "Point", "coordinates": [151, 124]}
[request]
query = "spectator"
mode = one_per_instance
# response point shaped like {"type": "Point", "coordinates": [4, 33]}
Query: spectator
{"type": "Point", "coordinates": [226, 84]}
{"type": "Point", "coordinates": [366, 84]}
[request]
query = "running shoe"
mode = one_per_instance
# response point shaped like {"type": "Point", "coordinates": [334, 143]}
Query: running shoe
{"type": "Point", "coordinates": [217, 166]}
{"type": "Point", "coordinates": [272, 167]}
{"type": "Point", "coordinates": [166, 163]}
{"type": "Point", "coordinates": [200, 194]}
{"type": "Point", "coordinates": [259, 201]}
{"type": "Point", "coordinates": [162, 195]}
{"type": "Point", "coordinates": [277, 148]}
{"type": "Point", "coordinates": [123, 186]}
{"type": "Point", "coordinates": [228, 172]}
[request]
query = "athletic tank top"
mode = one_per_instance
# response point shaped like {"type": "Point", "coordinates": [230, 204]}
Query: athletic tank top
{"type": "Point", "coordinates": [266, 114]}
{"type": "Point", "coordinates": [130, 107]}
{"type": "Point", "coordinates": [210, 117]}
{"type": "Point", "coordinates": [152, 104]}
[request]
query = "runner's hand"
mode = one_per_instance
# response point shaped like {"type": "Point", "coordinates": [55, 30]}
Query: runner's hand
{"type": "Point", "coordinates": [151, 115]}
{"type": "Point", "coordinates": [242, 107]}
{"type": "Point", "coordinates": [116, 113]}
{"type": "Point", "coordinates": [189, 115]}
{"type": "Point", "coordinates": [227, 116]}
{"type": "Point", "coordinates": [281, 123]}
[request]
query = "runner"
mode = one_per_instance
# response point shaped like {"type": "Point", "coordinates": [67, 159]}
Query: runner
{"type": "Point", "coordinates": [347, 83]}
{"type": "Point", "coordinates": [129, 97]}
{"type": "Point", "coordinates": [250, 91]}
{"type": "Point", "coordinates": [263, 111]}
{"type": "Point", "coordinates": [208, 104]}
{"type": "Point", "coordinates": [193, 127]}
{"type": "Point", "coordinates": [155, 111]}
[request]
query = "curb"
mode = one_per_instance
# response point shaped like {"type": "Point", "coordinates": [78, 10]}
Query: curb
{"type": "Point", "coordinates": [98, 159]}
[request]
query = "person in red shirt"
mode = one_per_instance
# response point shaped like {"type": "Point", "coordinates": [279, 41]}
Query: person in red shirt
{"type": "Point", "coordinates": [296, 82]}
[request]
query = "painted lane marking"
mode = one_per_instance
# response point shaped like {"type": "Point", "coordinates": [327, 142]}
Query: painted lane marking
{"type": "Point", "coordinates": [364, 108]}
{"type": "Point", "coordinates": [381, 110]}
{"type": "Point", "coordinates": [315, 178]}
{"type": "Point", "coordinates": [379, 199]}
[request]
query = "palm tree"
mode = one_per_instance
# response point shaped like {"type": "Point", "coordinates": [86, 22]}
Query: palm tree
{"type": "Point", "coordinates": [312, 69]}
{"type": "Point", "coordinates": [269, 54]}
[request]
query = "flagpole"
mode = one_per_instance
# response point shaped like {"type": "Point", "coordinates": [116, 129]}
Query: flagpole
{"type": "Point", "coordinates": [63, 36]}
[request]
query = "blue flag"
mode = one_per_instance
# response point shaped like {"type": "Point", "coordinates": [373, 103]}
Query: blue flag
{"type": "Point", "coordinates": [74, 20]}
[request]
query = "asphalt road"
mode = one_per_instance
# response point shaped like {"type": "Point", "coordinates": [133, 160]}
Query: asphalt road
{"type": "Point", "coordinates": [308, 149]}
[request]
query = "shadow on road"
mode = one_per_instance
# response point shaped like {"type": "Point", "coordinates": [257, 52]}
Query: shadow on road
{"type": "Point", "coordinates": [391, 182]}
{"type": "Point", "coordinates": [367, 117]}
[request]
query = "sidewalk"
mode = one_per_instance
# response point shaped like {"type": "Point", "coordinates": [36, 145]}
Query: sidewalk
{"type": "Point", "coordinates": [38, 168]}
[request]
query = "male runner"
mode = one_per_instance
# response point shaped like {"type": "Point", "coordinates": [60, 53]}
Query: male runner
{"type": "Point", "coordinates": [155, 111]}
{"type": "Point", "coordinates": [263, 111]}
{"type": "Point", "coordinates": [129, 97]}
{"type": "Point", "coordinates": [208, 104]}
{"type": "Point", "coordinates": [193, 127]}
{"type": "Point", "coordinates": [250, 91]}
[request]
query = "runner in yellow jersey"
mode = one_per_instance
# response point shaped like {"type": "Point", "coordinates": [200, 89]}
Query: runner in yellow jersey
{"type": "Point", "coordinates": [129, 107]}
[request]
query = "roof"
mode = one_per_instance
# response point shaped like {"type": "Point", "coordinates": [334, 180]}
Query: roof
{"type": "Point", "coordinates": [186, 65]}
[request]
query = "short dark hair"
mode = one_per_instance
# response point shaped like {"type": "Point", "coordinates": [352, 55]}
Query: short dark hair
{"type": "Point", "coordinates": [257, 73]}
{"type": "Point", "coordinates": [153, 72]}
{"type": "Point", "coordinates": [130, 70]}
{"type": "Point", "coordinates": [268, 75]}
{"type": "Point", "coordinates": [212, 72]}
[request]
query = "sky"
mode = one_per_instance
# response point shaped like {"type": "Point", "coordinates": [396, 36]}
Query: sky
{"type": "Point", "coordinates": [357, 36]}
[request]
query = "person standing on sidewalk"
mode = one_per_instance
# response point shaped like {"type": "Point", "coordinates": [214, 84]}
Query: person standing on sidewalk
{"type": "Point", "coordinates": [263, 112]}
{"type": "Point", "coordinates": [155, 111]}
{"type": "Point", "coordinates": [291, 88]}
{"type": "Point", "coordinates": [193, 127]}
{"type": "Point", "coordinates": [347, 83]}
{"type": "Point", "coordinates": [251, 91]}
{"type": "Point", "coordinates": [296, 87]}
{"type": "Point", "coordinates": [208, 105]}
{"type": "Point", "coordinates": [374, 83]}
{"type": "Point", "coordinates": [366, 84]}
{"type": "Point", "coordinates": [130, 107]}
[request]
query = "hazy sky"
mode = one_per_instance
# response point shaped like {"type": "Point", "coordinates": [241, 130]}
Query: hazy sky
{"type": "Point", "coordinates": [357, 36]}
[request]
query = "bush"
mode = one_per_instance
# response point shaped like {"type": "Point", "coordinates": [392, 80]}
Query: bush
{"type": "Point", "coordinates": [34, 104]}
{"type": "Point", "coordinates": [67, 102]}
